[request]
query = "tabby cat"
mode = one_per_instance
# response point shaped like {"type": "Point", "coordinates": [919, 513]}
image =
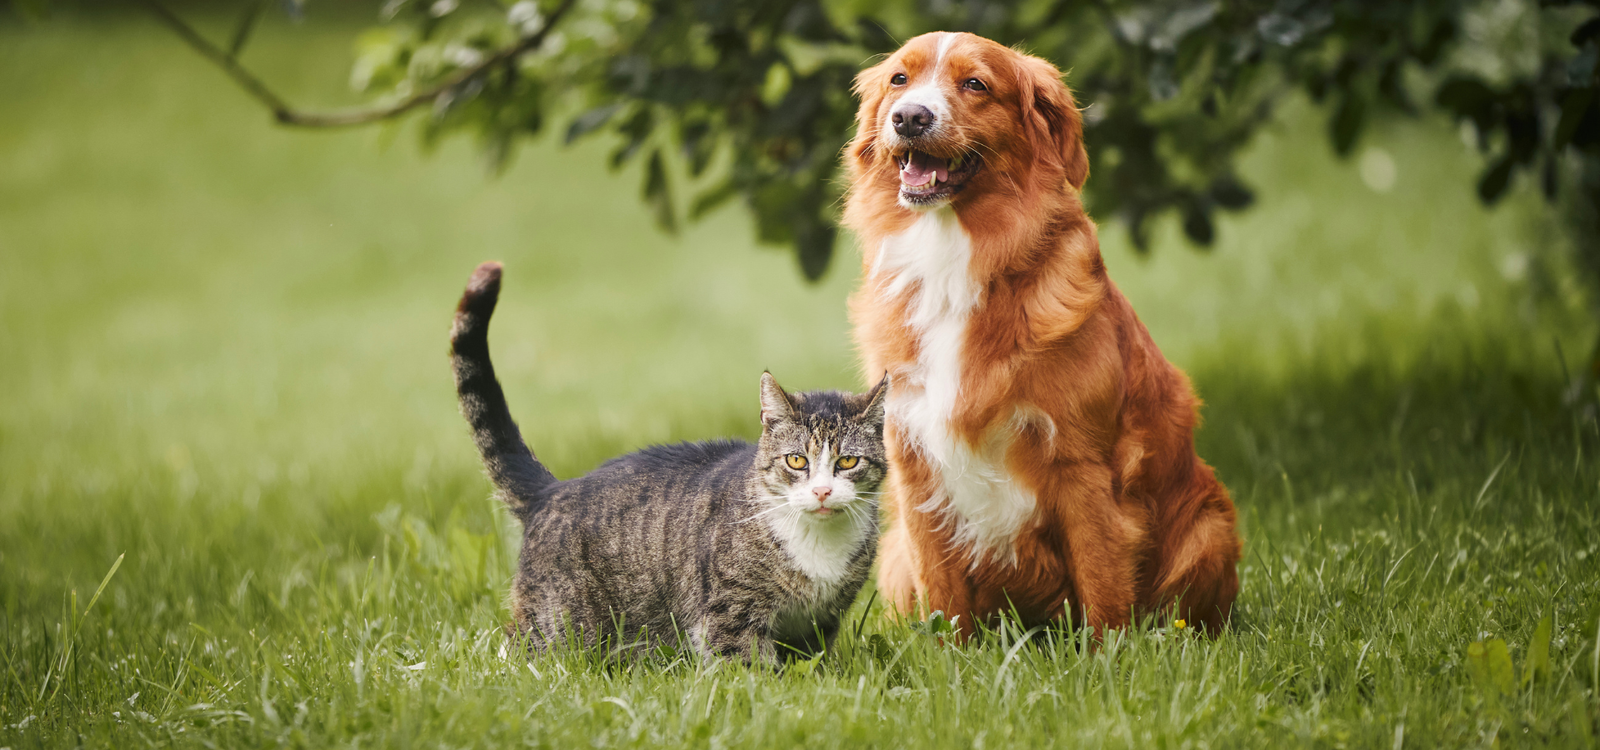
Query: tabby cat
{"type": "Point", "coordinates": [751, 552]}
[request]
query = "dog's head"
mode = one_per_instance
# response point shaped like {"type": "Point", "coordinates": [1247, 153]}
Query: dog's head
{"type": "Point", "coordinates": [951, 116]}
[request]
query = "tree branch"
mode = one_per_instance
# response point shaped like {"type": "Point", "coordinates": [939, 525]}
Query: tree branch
{"type": "Point", "coordinates": [287, 115]}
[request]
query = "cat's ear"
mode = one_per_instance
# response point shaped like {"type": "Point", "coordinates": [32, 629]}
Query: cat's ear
{"type": "Point", "coordinates": [872, 404]}
{"type": "Point", "coordinates": [775, 404]}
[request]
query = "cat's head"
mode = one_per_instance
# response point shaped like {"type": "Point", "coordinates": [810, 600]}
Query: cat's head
{"type": "Point", "coordinates": [821, 453]}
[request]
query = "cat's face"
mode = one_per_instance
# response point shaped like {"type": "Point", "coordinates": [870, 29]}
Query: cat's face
{"type": "Point", "coordinates": [821, 453]}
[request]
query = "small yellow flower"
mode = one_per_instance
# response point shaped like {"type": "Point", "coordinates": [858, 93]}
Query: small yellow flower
{"type": "Point", "coordinates": [1180, 624]}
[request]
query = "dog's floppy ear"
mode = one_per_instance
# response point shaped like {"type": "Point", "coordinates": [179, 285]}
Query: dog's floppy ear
{"type": "Point", "coordinates": [1051, 119]}
{"type": "Point", "coordinates": [869, 88]}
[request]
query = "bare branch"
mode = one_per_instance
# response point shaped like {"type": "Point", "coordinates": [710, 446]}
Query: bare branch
{"type": "Point", "coordinates": [287, 115]}
{"type": "Point", "coordinates": [247, 24]}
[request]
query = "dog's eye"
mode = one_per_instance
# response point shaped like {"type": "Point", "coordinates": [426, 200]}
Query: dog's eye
{"type": "Point", "coordinates": [796, 461]}
{"type": "Point", "coordinates": [899, 79]}
{"type": "Point", "coordinates": [973, 84]}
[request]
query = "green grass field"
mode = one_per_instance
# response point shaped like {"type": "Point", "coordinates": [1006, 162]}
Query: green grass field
{"type": "Point", "coordinates": [222, 361]}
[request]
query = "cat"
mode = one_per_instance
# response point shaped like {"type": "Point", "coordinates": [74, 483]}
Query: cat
{"type": "Point", "coordinates": [741, 551]}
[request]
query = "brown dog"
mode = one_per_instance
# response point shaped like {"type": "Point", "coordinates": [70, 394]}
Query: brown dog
{"type": "Point", "coordinates": [1042, 447]}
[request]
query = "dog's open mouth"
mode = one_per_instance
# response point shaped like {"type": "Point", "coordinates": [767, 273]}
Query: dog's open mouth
{"type": "Point", "coordinates": [925, 178]}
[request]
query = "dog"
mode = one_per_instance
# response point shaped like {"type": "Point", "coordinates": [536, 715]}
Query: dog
{"type": "Point", "coordinates": [1042, 448]}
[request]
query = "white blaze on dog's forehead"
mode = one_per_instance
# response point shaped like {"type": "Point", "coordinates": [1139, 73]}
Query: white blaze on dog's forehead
{"type": "Point", "coordinates": [929, 94]}
{"type": "Point", "coordinates": [947, 39]}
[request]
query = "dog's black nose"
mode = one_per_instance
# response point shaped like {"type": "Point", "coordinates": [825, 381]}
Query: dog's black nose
{"type": "Point", "coordinates": [910, 120]}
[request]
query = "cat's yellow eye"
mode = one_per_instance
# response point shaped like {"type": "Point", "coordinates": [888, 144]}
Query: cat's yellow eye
{"type": "Point", "coordinates": [847, 462]}
{"type": "Point", "coordinates": [796, 461]}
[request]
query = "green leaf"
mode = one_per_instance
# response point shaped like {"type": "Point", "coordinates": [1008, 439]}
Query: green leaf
{"type": "Point", "coordinates": [590, 121]}
{"type": "Point", "coordinates": [1501, 672]}
{"type": "Point", "coordinates": [713, 197]}
{"type": "Point", "coordinates": [1589, 30]}
{"type": "Point", "coordinates": [1231, 194]}
{"type": "Point", "coordinates": [1489, 664]}
{"type": "Point", "coordinates": [699, 146]}
{"type": "Point", "coordinates": [658, 193]}
{"type": "Point", "coordinates": [378, 59]}
{"type": "Point", "coordinates": [814, 242]}
{"type": "Point", "coordinates": [1197, 224]}
{"type": "Point", "coordinates": [1537, 663]}
{"type": "Point", "coordinates": [1477, 668]}
{"type": "Point", "coordinates": [1572, 111]}
{"type": "Point", "coordinates": [1494, 182]}
{"type": "Point", "coordinates": [1348, 119]}
{"type": "Point", "coordinates": [935, 625]}
{"type": "Point", "coordinates": [777, 84]}
{"type": "Point", "coordinates": [1465, 96]}
{"type": "Point", "coordinates": [637, 128]}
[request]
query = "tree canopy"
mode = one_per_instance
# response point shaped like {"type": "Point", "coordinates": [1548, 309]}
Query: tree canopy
{"type": "Point", "coordinates": [751, 98]}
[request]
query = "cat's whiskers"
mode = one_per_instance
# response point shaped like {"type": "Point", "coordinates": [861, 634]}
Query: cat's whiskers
{"type": "Point", "coordinates": [774, 509]}
{"type": "Point", "coordinates": [861, 512]}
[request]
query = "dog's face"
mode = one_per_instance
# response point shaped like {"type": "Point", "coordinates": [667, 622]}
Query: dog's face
{"type": "Point", "coordinates": [953, 116]}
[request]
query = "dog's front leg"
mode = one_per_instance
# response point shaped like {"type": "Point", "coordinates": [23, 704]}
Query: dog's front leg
{"type": "Point", "coordinates": [900, 552]}
{"type": "Point", "coordinates": [913, 591]}
{"type": "Point", "coordinates": [942, 582]}
{"type": "Point", "coordinates": [1104, 544]}
{"type": "Point", "coordinates": [919, 571]}
{"type": "Point", "coordinates": [898, 582]}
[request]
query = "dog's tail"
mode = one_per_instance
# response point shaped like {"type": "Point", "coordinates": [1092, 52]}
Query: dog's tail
{"type": "Point", "coordinates": [516, 473]}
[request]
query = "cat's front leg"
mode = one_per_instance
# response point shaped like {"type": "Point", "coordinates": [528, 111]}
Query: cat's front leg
{"type": "Point", "coordinates": [727, 638]}
{"type": "Point", "coordinates": [815, 640]}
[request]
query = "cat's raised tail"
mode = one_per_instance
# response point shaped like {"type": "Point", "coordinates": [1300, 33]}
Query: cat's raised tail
{"type": "Point", "coordinates": [516, 473]}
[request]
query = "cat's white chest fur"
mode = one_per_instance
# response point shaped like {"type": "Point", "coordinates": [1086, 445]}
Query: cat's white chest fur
{"type": "Point", "coordinates": [987, 506]}
{"type": "Point", "coordinates": [823, 550]}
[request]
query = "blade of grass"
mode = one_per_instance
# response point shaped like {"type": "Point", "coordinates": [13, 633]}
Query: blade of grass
{"type": "Point", "coordinates": [102, 588]}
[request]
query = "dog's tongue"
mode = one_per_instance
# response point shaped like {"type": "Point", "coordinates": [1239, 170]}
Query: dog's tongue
{"type": "Point", "coordinates": [920, 165]}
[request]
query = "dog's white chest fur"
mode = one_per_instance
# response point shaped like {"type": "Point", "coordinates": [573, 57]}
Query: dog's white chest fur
{"type": "Point", "coordinates": [987, 506]}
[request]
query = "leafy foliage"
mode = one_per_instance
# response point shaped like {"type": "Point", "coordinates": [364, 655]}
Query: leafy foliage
{"type": "Point", "coordinates": [1173, 88]}
{"type": "Point", "coordinates": [750, 99]}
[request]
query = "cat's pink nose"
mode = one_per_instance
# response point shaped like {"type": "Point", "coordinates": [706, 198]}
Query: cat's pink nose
{"type": "Point", "coordinates": [822, 493]}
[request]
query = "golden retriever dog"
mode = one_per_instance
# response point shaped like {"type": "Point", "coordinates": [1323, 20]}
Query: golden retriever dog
{"type": "Point", "coordinates": [1042, 448]}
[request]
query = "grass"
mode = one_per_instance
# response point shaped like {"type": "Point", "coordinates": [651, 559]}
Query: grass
{"type": "Point", "coordinates": [224, 372]}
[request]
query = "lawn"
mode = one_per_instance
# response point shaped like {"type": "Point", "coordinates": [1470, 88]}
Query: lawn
{"type": "Point", "coordinates": [223, 380]}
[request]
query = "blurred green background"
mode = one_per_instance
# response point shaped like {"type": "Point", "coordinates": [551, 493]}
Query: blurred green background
{"type": "Point", "coordinates": [203, 283]}
{"type": "Point", "coordinates": [222, 353]}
